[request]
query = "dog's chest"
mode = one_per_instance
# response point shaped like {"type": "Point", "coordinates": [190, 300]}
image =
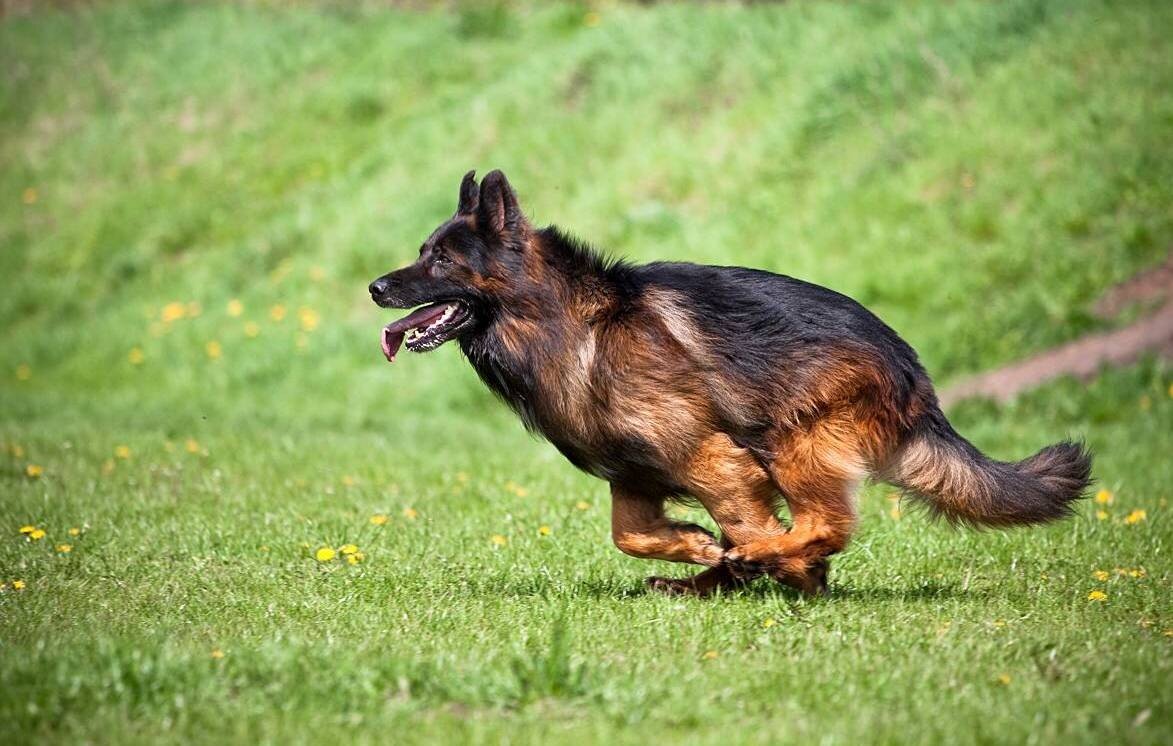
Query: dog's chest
{"type": "Point", "coordinates": [563, 393]}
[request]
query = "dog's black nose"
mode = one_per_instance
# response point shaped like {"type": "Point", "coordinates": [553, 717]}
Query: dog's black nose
{"type": "Point", "coordinates": [379, 286]}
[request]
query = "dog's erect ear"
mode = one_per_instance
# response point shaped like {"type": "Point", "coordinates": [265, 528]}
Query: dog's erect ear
{"type": "Point", "coordinates": [498, 211]}
{"type": "Point", "coordinates": [469, 195]}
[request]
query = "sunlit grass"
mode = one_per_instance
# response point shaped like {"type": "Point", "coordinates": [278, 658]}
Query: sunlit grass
{"type": "Point", "coordinates": [224, 517]}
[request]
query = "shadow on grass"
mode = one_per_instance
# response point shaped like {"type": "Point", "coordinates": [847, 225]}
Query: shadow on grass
{"type": "Point", "coordinates": [623, 588]}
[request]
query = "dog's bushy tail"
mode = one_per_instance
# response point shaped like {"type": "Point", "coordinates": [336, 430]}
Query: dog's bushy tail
{"type": "Point", "coordinates": [959, 483]}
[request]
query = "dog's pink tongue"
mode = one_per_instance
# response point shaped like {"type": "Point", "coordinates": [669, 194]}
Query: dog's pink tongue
{"type": "Point", "coordinates": [393, 332]}
{"type": "Point", "coordinates": [391, 341]}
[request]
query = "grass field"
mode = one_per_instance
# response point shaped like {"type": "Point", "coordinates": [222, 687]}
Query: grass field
{"type": "Point", "coordinates": [193, 197]}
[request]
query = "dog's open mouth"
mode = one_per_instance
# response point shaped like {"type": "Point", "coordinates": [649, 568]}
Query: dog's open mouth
{"type": "Point", "coordinates": [425, 328]}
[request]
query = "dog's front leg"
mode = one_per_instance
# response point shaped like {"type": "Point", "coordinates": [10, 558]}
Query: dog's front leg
{"type": "Point", "coordinates": [640, 528]}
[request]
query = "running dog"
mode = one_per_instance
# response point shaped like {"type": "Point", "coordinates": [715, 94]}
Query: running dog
{"type": "Point", "coordinates": [735, 387]}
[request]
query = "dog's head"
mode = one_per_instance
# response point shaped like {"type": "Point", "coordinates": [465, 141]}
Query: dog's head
{"type": "Point", "coordinates": [462, 272]}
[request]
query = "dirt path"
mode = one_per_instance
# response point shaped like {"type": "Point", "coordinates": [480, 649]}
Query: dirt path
{"type": "Point", "coordinates": [1085, 357]}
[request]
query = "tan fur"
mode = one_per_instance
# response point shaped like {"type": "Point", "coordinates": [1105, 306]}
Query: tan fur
{"type": "Point", "coordinates": [640, 529]}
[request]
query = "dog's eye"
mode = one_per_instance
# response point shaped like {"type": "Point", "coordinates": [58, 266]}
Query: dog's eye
{"type": "Point", "coordinates": [440, 259]}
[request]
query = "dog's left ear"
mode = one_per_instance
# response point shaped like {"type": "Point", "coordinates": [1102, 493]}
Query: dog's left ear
{"type": "Point", "coordinates": [469, 195]}
{"type": "Point", "coordinates": [497, 211]}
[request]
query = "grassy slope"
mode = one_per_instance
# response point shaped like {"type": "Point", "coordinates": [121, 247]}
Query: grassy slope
{"type": "Point", "coordinates": [976, 172]}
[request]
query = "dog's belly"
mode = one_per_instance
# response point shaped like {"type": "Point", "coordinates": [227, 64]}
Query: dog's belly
{"type": "Point", "coordinates": [630, 461]}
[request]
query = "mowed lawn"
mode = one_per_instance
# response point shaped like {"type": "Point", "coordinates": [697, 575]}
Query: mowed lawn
{"type": "Point", "coordinates": [193, 198]}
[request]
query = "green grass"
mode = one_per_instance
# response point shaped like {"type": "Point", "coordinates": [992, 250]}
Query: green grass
{"type": "Point", "coordinates": [977, 173]}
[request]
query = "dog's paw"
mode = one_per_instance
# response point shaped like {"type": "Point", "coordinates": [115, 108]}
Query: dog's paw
{"type": "Point", "coordinates": [740, 566]}
{"type": "Point", "coordinates": [672, 586]}
{"type": "Point", "coordinates": [812, 581]}
{"type": "Point", "coordinates": [819, 574]}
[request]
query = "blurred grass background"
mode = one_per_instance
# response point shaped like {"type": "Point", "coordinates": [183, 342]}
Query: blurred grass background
{"type": "Point", "coordinates": [193, 197]}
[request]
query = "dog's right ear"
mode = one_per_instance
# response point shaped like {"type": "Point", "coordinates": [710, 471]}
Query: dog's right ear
{"type": "Point", "coordinates": [469, 194]}
{"type": "Point", "coordinates": [497, 210]}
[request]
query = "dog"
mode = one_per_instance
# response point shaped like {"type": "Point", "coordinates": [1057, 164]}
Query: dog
{"type": "Point", "coordinates": [734, 387]}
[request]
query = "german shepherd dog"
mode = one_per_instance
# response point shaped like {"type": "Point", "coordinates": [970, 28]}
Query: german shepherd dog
{"type": "Point", "coordinates": [734, 387]}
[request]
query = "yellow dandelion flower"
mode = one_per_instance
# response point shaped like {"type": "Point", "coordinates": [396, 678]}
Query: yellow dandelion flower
{"type": "Point", "coordinates": [1135, 517]}
{"type": "Point", "coordinates": [264, 547]}
{"type": "Point", "coordinates": [348, 481]}
{"type": "Point", "coordinates": [191, 445]}
{"type": "Point", "coordinates": [122, 452]}
{"type": "Point", "coordinates": [213, 349]}
{"type": "Point", "coordinates": [75, 531]}
{"type": "Point", "coordinates": [251, 329]}
{"type": "Point", "coordinates": [1137, 572]}
{"type": "Point", "coordinates": [18, 585]}
{"type": "Point", "coordinates": [354, 559]}
{"type": "Point", "coordinates": [194, 309]}
{"type": "Point", "coordinates": [65, 548]}
{"type": "Point", "coordinates": [1104, 497]}
{"type": "Point", "coordinates": [582, 505]}
{"type": "Point", "coordinates": [27, 529]}
{"type": "Point", "coordinates": [1101, 575]}
{"type": "Point", "coordinates": [29, 196]}
{"type": "Point", "coordinates": [592, 19]}
{"type": "Point", "coordinates": [378, 519]}
{"type": "Point", "coordinates": [173, 311]}
{"type": "Point", "coordinates": [1102, 515]}
{"type": "Point", "coordinates": [23, 372]}
{"type": "Point", "coordinates": [999, 623]}
{"type": "Point", "coordinates": [1168, 633]}
{"type": "Point", "coordinates": [277, 312]}
{"type": "Point", "coordinates": [1097, 596]}
{"type": "Point", "coordinates": [308, 318]}
{"type": "Point", "coordinates": [37, 534]}
{"type": "Point", "coordinates": [325, 554]}
{"type": "Point", "coordinates": [348, 549]}
{"type": "Point", "coordinates": [235, 308]}
{"type": "Point", "coordinates": [499, 540]}
{"type": "Point", "coordinates": [768, 622]}
{"type": "Point", "coordinates": [710, 655]}
{"type": "Point", "coordinates": [516, 489]}
{"type": "Point", "coordinates": [135, 356]}
{"type": "Point", "coordinates": [1004, 679]}
{"type": "Point", "coordinates": [410, 514]}
{"type": "Point", "coordinates": [543, 530]}
{"type": "Point", "coordinates": [217, 653]}
{"type": "Point", "coordinates": [34, 471]}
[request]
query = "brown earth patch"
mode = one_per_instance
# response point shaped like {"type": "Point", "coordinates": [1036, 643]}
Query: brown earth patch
{"type": "Point", "coordinates": [1085, 357]}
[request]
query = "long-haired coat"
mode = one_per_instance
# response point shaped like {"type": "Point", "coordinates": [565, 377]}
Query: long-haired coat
{"type": "Point", "coordinates": [736, 387]}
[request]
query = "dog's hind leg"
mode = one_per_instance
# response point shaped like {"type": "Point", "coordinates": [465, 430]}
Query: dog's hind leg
{"type": "Point", "coordinates": [738, 493]}
{"type": "Point", "coordinates": [736, 490]}
{"type": "Point", "coordinates": [817, 471]}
